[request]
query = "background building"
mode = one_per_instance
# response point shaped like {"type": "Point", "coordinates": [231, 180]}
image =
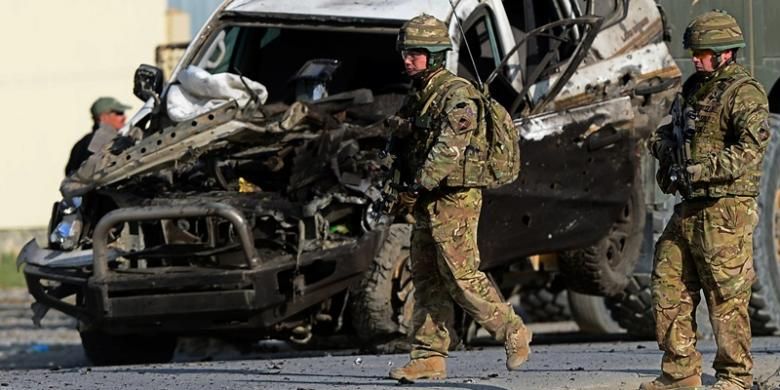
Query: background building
{"type": "Point", "coordinates": [58, 57]}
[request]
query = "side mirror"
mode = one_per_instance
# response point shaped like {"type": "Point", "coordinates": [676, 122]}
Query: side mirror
{"type": "Point", "coordinates": [148, 83]}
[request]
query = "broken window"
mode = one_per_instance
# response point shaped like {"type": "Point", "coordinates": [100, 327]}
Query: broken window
{"type": "Point", "coordinates": [545, 51]}
{"type": "Point", "coordinates": [600, 8]}
{"type": "Point", "coordinates": [273, 57]}
{"type": "Point", "coordinates": [482, 40]}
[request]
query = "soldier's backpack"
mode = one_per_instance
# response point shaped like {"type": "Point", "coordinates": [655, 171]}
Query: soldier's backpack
{"type": "Point", "coordinates": [503, 138]}
{"type": "Point", "coordinates": [499, 163]}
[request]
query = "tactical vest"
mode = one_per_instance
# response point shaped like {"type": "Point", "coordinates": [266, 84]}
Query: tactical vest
{"type": "Point", "coordinates": [714, 132]}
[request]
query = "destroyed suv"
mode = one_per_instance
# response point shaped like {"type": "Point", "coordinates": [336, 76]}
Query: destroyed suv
{"type": "Point", "coordinates": [246, 197]}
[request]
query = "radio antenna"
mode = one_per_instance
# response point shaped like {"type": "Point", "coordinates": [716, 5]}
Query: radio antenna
{"type": "Point", "coordinates": [466, 42]}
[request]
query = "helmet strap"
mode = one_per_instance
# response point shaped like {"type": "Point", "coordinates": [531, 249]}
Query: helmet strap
{"type": "Point", "coordinates": [435, 60]}
{"type": "Point", "coordinates": [716, 59]}
{"type": "Point", "coordinates": [719, 57]}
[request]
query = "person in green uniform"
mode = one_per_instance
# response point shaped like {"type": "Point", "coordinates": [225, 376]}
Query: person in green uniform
{"type": "Point", "coordinates": [708, 243]}
{"type": "Point", "coordinates": [441, 120]}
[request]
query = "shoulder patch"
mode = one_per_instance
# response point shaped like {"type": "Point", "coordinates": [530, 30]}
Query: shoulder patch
{"type": "Point", "coordinates": [461, 119]}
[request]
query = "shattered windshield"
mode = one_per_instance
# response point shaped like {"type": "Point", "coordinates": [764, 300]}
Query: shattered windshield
{"type": "Point", "coordinates": [276, 57]}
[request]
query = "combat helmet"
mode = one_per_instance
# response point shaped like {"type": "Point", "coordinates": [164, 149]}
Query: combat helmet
{"type": "Point", "coordinates": [715, 30]}
{"type": "Point", "coordinates": [425, 32]}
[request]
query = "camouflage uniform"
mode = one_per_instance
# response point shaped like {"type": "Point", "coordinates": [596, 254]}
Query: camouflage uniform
{"type": "Point", "coordinates": [708, 243]}
{"type": "Point", "coordinates": [444, 253]}
{"type": "Point", "coordinates": [443, 115]}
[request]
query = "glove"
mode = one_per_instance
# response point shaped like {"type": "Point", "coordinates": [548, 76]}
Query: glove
{"type": "Point", "coordinates": [407, 199]}
{"type": "Point", "coordinates": [120, 144]}
{"type": "Point", "coordinates": [694, 172]}
{"type": "Point", "coordinates": [406, 202]}
{"type": "Point", "coordinates": [399, 127]}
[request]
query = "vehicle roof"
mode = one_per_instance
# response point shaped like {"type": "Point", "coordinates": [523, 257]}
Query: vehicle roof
{"type": "Point", "coordinates": [362, 9]}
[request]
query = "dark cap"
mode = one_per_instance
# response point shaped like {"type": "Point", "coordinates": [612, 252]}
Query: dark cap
{"type": "Point", "coordinates": [107, 104]}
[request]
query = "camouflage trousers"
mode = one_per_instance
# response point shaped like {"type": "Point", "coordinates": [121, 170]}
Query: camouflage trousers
{"type": "Point", "coordinates": [445, 267]}
{"type": "Point", "coordinates": [708, 244]}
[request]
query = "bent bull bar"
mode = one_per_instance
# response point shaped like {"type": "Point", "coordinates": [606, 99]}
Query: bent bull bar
{"type": "Point", "coordinates": [133, 214]}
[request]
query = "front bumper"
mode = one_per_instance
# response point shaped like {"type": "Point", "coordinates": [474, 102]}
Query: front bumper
{"type": "Point", "coordinates": [193, 299]}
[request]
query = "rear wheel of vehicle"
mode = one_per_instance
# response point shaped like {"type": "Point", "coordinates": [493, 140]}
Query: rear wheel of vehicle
{"type": "Point", "coordinates": [591, 314]}
{"type": "Point", "coordinates": [765, 299]}
{"type": "Point", "coordinates": [382, 303]}
{"type": "Point", "coordinates": [633, 310]}
{"type": "Point", "coordinates": [103, 349]}
{"type": "Point", "coordinates": [603, 269]}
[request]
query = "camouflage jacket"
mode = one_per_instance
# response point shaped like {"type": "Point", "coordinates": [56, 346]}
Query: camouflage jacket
{"type": "Point", "coordinates": [444, 116]}
{"type": "Point", "coordinates": [731, 132]}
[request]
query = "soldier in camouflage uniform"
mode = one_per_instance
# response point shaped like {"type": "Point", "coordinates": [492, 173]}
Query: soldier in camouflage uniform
{"type": "Point", "coordinates": [708, 243]}
{"type": "Point", "coordinates": [441, 117]}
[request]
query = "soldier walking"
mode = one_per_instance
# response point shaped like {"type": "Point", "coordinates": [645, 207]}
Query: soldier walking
{"type": "Point", "coordinates": [715, 164]}
{"type": "Point", "coordinates": [441, 114]}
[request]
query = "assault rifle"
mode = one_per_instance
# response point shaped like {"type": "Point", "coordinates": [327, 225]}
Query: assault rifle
{"type": "Point", "coordinates": [393, 183]}
{"type": "Point", "coordinates": [683, 129]}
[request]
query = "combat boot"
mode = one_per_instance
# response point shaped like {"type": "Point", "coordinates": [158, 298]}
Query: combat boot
{"type": "Point", "coordinates": [723, 384]}
{"type": "Point", "coordinates": [516, 346]}
{"type": "Point", "coordinates": [664, 382]}
{"type": "Point", "coordinates": [434, 367]}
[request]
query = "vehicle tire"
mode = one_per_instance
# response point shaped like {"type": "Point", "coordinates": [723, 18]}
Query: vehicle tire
{"type": "Point", "coordinates": [591, 314]}
{"type": "Point", "coordinates": [543, 304]}
{"type": "Point", "coordinates": [103, 349]}
{"type": "Point", "coordinates": [633, 310]}
{"type": "Point", "coordinates": [381, 305]}
{"type": "Point", "coordinates": [603, 268]}
{"type": "Point", "coordinates": [765, 300]}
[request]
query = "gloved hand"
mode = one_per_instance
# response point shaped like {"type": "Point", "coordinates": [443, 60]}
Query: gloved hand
{"type": "Point", "coordinates": [407, 199]}
{"type": "Point", "coordinates": [398, 126]}
{"type": "Point", "coordinates": [694, 172]}
{"type": "Point", "coordinates": [121, 143]}
{"type": "Point", "coordinates": [406, 202]}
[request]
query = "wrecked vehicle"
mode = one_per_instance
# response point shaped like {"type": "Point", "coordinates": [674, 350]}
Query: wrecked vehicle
{"type": "Point", "coordinates": [251, 205]}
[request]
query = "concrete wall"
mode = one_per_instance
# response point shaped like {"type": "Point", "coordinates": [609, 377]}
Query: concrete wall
{"type": "Point", "coordinates": [58, 56]}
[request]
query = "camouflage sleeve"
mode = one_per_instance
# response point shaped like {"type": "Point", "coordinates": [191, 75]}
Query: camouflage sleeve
{"type": "Point", "coordinates": [457, 123]}
{"type": "Point", "coordinates": [749, 119]}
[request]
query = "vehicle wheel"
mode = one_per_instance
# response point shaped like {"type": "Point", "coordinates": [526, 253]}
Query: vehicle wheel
{"type": "Point", "coordinates": [633, 310]}
{"type": "Point", "coordinates": [381, 305]}
{"type": "Point", "coordinates": [544, 304]}
{"type": "Point", "coordinates": [104, 349]}
{"type": "Point", "coordinates": [591, 314]}
{"type": "Point", "coordinates": [765, 300]}
{"type": "Point", "coordinates": [603, 269]}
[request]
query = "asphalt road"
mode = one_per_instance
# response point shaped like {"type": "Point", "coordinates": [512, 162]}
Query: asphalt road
{"type": "Point", "coordinates": [617, 365]}
{"type": "Point", "coordinates": [51, 358]}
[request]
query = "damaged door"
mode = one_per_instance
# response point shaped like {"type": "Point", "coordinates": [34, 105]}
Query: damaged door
{"type": "Point", "coordinates": [576, 162]}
